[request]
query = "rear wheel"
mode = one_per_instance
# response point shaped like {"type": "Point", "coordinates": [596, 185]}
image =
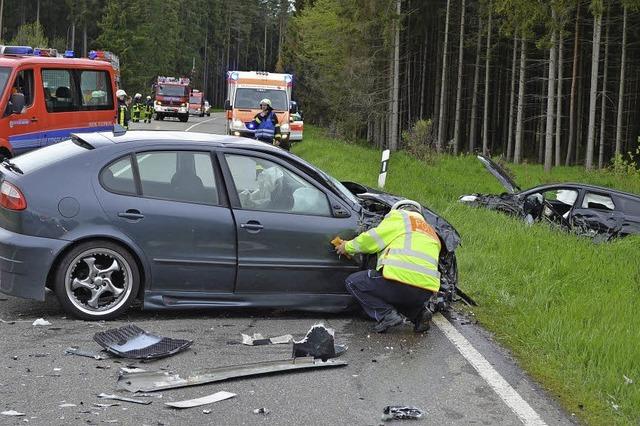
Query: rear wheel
{"type": "Point", "coordinates": [184, 118]}
{"type": "Point", "coordinates": [97, 280]}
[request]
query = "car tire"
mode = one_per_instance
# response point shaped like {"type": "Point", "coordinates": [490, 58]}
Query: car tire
{"type": "Point", "coordinates": [97, 280]}
{"type": "Point", "coordinates": [184, 118]}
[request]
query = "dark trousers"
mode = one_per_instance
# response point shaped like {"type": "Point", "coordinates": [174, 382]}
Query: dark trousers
{"type": "Point", "coordinates": [378, 296]}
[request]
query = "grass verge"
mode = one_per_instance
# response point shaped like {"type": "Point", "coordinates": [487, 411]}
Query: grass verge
{"type": "Point", "coordinates": [567, 308]}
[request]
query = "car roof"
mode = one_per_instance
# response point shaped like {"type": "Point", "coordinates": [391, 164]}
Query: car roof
{"type": "Point", "coordinates": [11, 60]}
{"type": "Point", "coordinates": [576, 185]}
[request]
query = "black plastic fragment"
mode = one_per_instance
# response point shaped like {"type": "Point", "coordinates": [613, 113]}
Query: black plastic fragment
{"type": "Point", "coordinates": [318, 343]}
{"type": "Point", "coordinates": [401, 412]}
{"type": "Point", "coordinates": [130, 341]}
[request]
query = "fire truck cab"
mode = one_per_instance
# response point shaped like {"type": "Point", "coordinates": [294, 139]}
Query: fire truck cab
{"type": "Point", "coordinates": [44, 97]}
{"type": "Point", "coordinates": [172, 98]}
{"type": "Point", "coordinates": [245, 90]}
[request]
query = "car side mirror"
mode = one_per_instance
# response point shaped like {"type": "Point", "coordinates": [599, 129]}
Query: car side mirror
{"type": "Point", "coordinates": [227, 105]}
{"type": "Point", "coordinates": [339, 210]}
{"type": "Point", "coordinates": [17, 103]}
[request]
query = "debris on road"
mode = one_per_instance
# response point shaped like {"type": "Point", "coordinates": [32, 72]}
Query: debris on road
{"type": "Point", "coordinates": [67, 405]}
{"type": "Point", "coordinates": [209, 399]}
{"type": "Point", "coordinates": [123, 398]}
{"type": "Point", "coordinates": [159, 380]}
{"type": "Point", "coordinates": [12, 413]}
{"type": "Point", "coordinates": [74, 350]}
{"type": "Point", "coordinates": [115, 404]}
{"type": "Point", "coordinates": [318, 343]}
{"type": "Point", "coordinates": [41, 322]}
{"type": "Point", "coordinates": [130, 341]}
{"type": "Point", "coordinates": [261, 410]}
{"type": "Point", "coordinates": [401, 412]}
{"type": "Point", "coordinates": [257, 339]}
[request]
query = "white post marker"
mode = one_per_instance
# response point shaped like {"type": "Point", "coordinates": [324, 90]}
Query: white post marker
{"type": "Point", "coordinates": [384, 166]}
{"type": "Point", "coordinates": [518, 405]}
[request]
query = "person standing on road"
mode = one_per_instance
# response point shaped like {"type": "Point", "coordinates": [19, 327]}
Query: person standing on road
{"type": "Point", "coordinates": [148, 109]}
{"type": "Point", "coordinates": [266, 124]}
{"type": "Point", "coordinates": [123, 111]}
{"type": "Point", "coordinates": [406, 274]}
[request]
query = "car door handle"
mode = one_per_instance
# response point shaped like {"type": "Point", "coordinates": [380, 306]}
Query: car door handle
{"type": "Point", "coordinates": [252, 226]}
{"type": "Point", "coordinates": [131, 214]}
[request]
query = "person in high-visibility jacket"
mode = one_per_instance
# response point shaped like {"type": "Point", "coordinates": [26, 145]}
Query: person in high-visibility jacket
{"type": "Point", "coordinates": [123, 111]}
{"type": "Point", "coordinates": [148, 109]}
{"type": "Point", "coordinates": [406, 274]}
{"type": "Point", "coordinates": [265, 123]}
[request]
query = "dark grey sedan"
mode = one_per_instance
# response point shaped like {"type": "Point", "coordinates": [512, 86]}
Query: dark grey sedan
{"type": "Point", "coordinates": [184, 220]}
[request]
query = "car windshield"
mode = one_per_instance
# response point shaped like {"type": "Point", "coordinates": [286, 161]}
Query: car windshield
{"type": "Point", "coordinates": [194, 99]}
{"type": "Point", "coordinates": [250, 98]}
{"type": "Point", "coordinates": [39, 158]}
{"type": "Point", "coordinates": [171, 90]}
{"type": "Point", "coordinates": [4, 76]}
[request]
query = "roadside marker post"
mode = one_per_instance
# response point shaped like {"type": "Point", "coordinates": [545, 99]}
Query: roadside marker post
{"type": "Point", "coordinates": [384, 166]}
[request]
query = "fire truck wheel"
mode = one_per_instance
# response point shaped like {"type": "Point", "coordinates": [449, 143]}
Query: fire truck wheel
{"type": "Point", "coordinates": [184, 118]}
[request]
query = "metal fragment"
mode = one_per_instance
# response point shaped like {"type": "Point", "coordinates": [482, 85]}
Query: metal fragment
{"type": "Point", "coordinates": [74, 350]}
{"type": "Point", "coordinates": [123, 398]}
{"type": "Point", "coordinates": [196, 402]}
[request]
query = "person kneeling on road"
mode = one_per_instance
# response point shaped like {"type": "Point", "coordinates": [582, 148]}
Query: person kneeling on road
{"type": "Point", "coordinates": [406, 274]}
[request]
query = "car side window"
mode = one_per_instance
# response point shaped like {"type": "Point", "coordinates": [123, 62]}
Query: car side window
{"type": "Point", "coordinates": [597, 201]}
{"type": "Point", "coordinates": [118, 177]}
{"type": "Point", "coordinates": [178, 176]}
{"type": "Point", "coordinates": [59, 90]}
{"type": "Point", "coordinates": [267, 186]}
{"type": "Point", "coordinates": [96, 90]}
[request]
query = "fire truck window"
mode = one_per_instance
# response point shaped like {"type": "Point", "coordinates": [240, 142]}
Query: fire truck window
{"type": "Point", "coordinates": [96, 90]}
{"type": "Point", "coordinates": [59, 87]}
{"type": "Point", "coordinates": [24, 84]}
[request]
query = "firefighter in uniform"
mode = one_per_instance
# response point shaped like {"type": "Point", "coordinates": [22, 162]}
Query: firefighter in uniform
{"type": "Point", "coordinates": [406, 274]}
{"type": "Point", "coordinates": [136, 108]}
{"type": "Point", "coordinates": [123, 112]}
{"type": "Point", "coordinates": [148, 110]}
{"type": "Point", "coordinates": [266, 124]}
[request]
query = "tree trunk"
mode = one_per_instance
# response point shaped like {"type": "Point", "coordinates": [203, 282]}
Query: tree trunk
{"type": "Point", "coordinates": [559, 101]}
{"type": "Point", "coordinates": [38, 11]}
{"type": "Point", "coordinates": [623, 60]}
{"type": "Point", "coordinates": [603, 104]}
{"type": "Point", "coordinates": [551, 91]}
{"type": "Point", "coordinates": [443, 83]}
{"type": "Point", "coordinates": [423, 80]}
{"type": "Point", "coordinates": [574, 82]}
{"type": "Point", "coordinates": [517, 150]}
{"type": "Point", "coordinates": [485, 119]}
{"type": "Point", "coordinates": [393, 117]}
{"type": "Point", "coordinates": [540, 132]}
{"type": "Point", "coordinates": [473, 126]}
{"type": "Point", "coordinates": [456, 137]}
{"type": "Point", "coordinates": [1, 16]}
{"type": "Point", "coordinates": [512, 98]}
{"type": "Point", "coordinates": [593, 93]}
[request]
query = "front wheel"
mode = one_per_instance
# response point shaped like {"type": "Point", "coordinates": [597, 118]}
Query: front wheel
{"type": "Point", "coordinates": [184, 118]}
{"type": "Point", "coordinates": [97, 280]}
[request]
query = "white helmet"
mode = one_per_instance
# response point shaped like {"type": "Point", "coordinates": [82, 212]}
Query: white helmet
{"type": "Point", "coordinates": [120, 93]}
{"type": "Point", "coordinates": [265, 101]}
{"type": "Point", "coordinates": [137, 95]}
{"type": "Point", "coordinates": [407, 205]}
{"type": "Point", "coordinates": [148, 97]}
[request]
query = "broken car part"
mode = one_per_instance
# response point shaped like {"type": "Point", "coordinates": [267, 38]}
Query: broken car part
{"type": "Point", "coordinates": [131, 341]}
{"type": "Point", "coordinates": [258, 339]}
{"type": "Point", "coordinates": [159, 380]}
{"type": "Point", "coordinates": [401, 412]}
{"type": "Point", "coordinates": [123, 398]}
{"type": "Point", "coordinates": [209, 399]}
{"type": "Point", "coordinates": [318, 343]}
{"type": "Point", "coordinates": [13, 413]}
{"type": "Point", "coordinates": [74, 350]}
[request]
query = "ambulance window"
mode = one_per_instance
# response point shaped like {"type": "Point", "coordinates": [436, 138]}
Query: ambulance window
{"type": "Point", "coordinates": [59, 90]}
{"type": "Point", "coordinates": [96, 90]}
{"type": "Point", "coordinates": [24, 84]}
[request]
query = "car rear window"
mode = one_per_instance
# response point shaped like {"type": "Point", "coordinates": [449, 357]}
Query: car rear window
{"type": "Point", "coordinates": [43, 157]}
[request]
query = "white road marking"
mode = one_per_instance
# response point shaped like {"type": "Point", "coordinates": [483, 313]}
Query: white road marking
{"type": "Point", "coordinates": [520, 407]}
{"type": "Point", "coordinates": [197, 124]}
{"type": "Point", "coordinates": [128, 166]}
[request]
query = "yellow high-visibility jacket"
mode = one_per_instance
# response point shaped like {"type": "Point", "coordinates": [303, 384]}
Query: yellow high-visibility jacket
{"type": "Point", "coordinates": [408, 249]}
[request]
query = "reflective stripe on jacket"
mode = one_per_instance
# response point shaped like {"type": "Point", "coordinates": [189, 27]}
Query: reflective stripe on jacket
{"type": "Point", "coordinates": [408, 249]}
{"type": "Point", "coordinates": [123, 115]}
{"type": "Point", "coordinates": [267, 128]}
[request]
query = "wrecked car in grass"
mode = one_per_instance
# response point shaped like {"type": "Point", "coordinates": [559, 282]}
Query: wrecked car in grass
{"type": "Point", "coordinates": [590, 210]}
{"type": "Point", "coordinates": [184, 220]}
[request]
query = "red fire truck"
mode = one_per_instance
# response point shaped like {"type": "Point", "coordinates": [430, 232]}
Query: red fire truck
{"type": "Point", "coordinates": [172, 98]}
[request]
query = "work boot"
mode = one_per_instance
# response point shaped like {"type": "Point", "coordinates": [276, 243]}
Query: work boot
{"type": "Point", "coordinates": [422, 322]}
{"type": "Point", "coordinates": [391, 319]}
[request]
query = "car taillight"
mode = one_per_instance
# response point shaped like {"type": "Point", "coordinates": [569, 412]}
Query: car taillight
{"type": "Point", "coordinates": [11, 198]}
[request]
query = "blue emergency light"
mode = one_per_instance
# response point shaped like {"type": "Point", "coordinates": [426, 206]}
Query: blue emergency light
{"type": "Point", "coordinates": [250, 125]}
{"type": "Point", "coordinates": [16, 50]}
{"type": "Point", "coordinates": [234, 76]}
{"type": "Point", "coordinates": [68, 54]}
{"type": "Point", "coordinates": [93, 54]}
{"type": "Point", "coordinates": [288, 78]}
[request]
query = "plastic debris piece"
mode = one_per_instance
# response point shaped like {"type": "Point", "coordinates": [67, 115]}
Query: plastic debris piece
{"type": "Point", "coordinates": [258, 339]}
{"type": "Point", "coordinates": [132, 370]}
{"type": "Point", "coordinates": [12, 413]}
{"type": "Point", "coordinates": [130, 341]}
{"type": "Point", "coordinates": [209, 399]}
{"type": "Point", "coordinates": [627, 380]}
{"type": "Point", "coordinates": [206, 411]}
{"type": "Point", "coordinates": [152, 381]}
{"type": "Point", "coordinates": [122, 398]}
{"type": "Point", "coordinates": [401, 412]}
{"type": "Point", "coordinates": [318, 343]}
{"type": "Point", "coordinates": [41, 322]}
{"type": "Point", "coordinates": [115, 404]}
{"type": "Point", "coordinates": [74, 350]}
{"type": "Point", "coordinates": [67, 405]}
{"type": "Point", "coordinates": [261, 410]}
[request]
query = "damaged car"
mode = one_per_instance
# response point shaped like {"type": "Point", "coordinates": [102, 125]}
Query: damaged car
{"type": "Point", "coordinates": [185, 221]}
{"type": "Point", "coordinates": [594, 211]}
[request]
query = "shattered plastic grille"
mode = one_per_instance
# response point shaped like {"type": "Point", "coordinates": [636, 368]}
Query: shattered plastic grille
{"type": "Point", "coordinates": [131, 341]}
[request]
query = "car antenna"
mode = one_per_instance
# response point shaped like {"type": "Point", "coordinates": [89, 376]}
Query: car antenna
{"type": "Point", "coordinates": [118, 130]}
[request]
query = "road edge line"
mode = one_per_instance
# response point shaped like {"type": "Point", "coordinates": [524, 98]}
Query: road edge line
{"type": "Point", "coordinates": [197, 124]}
{"type": "Point", "coordinates": [508, 394]}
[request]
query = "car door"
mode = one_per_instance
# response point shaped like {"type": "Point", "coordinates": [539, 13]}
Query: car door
{"type": "Point", "coordinates": [25, 128]}
{"type": "Point", "coordinates": [597, 212]}
{"type": "Point", "coordinates": [285, 223]}
{"type": "Point", "coordinates": [168, 202]}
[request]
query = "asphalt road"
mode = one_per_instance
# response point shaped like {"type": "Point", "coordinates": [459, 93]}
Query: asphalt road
{"type": "Point", "coordinates": [428, 371]}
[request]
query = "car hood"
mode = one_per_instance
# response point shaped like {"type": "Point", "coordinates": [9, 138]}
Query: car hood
{"type": "Point", "coordinates": [500, 174]}
{"type": "Point", "coordinates": [445, 230]}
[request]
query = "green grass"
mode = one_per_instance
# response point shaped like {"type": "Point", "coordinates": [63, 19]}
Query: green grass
{"type": "Point", "coordinates": [569, 309]}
